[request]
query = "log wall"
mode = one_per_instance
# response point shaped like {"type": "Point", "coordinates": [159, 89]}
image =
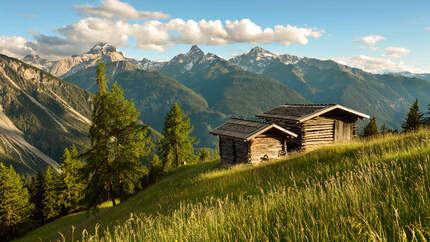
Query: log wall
{"type": "Point", "coordinates": [293, 143]}
{"type": "Point", "coordinates": [267, 147]}
{"type": "Point", "coordinates": [233, 151]}
{"type": "Point", "coordinates": [317, 131]}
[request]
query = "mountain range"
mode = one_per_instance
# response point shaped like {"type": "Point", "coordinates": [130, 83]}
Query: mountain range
{"type": "Point", "coordinates": [211, 89]}
{"type": "Point", "coordinates": [40, 115]}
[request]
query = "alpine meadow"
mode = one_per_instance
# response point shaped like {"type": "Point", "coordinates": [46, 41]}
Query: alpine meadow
{"type": "Point", "coordinates": [126, 120]}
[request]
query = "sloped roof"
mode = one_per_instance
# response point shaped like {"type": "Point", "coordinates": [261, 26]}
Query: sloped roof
{"type": "Point", "coordinates": [246, 129]}
{"type": "Point", "coordinates": [303, 112]}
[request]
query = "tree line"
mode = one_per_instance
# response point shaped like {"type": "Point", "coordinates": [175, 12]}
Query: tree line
{"type": "Point", "coordinates": [118, 163]}
{"type": "Point", "coordinates": [414, 120]}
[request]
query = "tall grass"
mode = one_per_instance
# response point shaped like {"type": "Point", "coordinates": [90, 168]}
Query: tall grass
{"type": "Point", "coordinates": [375, 189]}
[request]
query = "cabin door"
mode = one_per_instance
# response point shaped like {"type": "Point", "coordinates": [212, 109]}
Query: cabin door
{"type": "Point", "coordinates": [342, 131]}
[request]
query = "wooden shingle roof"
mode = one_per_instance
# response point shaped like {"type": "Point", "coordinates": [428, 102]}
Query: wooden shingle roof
{"type": "Point", "coordinates": [246, 129]}
{"type": "Point", "coordinates": [303, 112]}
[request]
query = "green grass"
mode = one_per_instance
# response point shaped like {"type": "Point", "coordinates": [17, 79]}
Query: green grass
{"type": "Point", "coordinates": [375, 189]}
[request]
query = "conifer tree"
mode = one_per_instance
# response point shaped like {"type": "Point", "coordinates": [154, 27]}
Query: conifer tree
{"type": "Point", "coordinates": [414, 119]}
{"type": "Point", "coordinates": [50, 201]}
{"type": "Point", "coordinates": [15, 207]}
{"type": "Point", "coordinates": [74, 184]}
{"type": "Point", "coordinates": [383, 129]}
{"type": "Point", "coordinates": [118, 144]}
{"type": "Point", "coordinates": [177, 144]}
{"type": "Point", "coordinates": [156, 169]}
{"type": "Point", "coordinates": [36, 197]}
{"type": "Point", "coordinates": [371, 128]}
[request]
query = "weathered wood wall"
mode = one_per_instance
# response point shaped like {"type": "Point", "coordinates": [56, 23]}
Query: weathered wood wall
{"type": "Point", "coordinates": [267, 146]}
{"type": "Point", "coordinates": [293, 143]}
{"type": "Point", "coordinates": [317, 131]}
{"type": "Point", "coordinates": [233, 151]}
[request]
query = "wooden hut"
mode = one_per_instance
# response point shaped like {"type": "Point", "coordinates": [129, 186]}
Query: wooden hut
{"type": "Point", "coordinates": [248, 141]}
{"type": "Point", "coordinates": [315, 124]}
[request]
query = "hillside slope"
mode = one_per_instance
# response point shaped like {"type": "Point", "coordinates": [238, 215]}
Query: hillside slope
{"type": "Point", "coordinates": [366, 190]}
{"type": "Point", "coordinates": [40, 115]}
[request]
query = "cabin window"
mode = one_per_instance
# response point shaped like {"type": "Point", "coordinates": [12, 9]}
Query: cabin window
{"type": "Point", "coordinates": [233, 146]}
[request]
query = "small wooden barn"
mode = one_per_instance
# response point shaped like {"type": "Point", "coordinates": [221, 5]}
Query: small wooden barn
{"type": "Point", "coordinates": [315, 124]}
{"type": "Point", "coordinates": [249, 141]}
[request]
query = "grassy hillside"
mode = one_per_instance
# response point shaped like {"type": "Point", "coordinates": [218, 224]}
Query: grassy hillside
{"type": "Point", "coordinates": [367, 190]}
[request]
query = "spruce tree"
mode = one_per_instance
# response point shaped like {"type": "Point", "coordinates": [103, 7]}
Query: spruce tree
{"type": "Point", "coordinates": [156, 169]}
{"type": "Point", "coordinates": [371, 129]}
{"type": "Point", "coordinates": [50, 201]}
{"type": "Point", "coordinates": [177, 144]}
{"type": "Point", "coordinates": [384, 129]}
{"type": "Point", "coordinates": [74, 184]}
{"type": "Point", "coordinates": [414, 119]}
{"type": "Point", "coordinates": [15, 206]}
{"type": "Point", "coordinates": [36, 197]}
{"type": "Point", "coordinates": [118, 144]}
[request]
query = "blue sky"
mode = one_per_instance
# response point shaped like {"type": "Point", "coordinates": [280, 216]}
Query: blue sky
{"type": "Point", "coordinates": [320, 29]}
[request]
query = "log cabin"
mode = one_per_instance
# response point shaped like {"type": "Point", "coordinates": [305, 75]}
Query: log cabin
{"type": "Point", "coordinates": [315, 124]}
{"type": "Point", "coordinates": [249, 141]}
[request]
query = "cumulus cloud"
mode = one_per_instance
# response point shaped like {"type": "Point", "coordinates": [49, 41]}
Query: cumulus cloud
{"type": "Point", "coordinates": [15, 46]}
{"type": "Point", "coordinates": [371, 40]}
{"type": "Point", "coordinates": [117, 9]}
{"type": "Point", "coordinates": [111, 23]}
{"type": "Point", "coordinates": [396, 52]}
{"type": "Point", "coordinates": [155, 35]}
{"type": "Point", "coordinates": [378, 65]}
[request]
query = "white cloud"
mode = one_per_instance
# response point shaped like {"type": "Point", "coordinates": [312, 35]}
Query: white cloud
{"type": "Point", "coordinates": [117, 9]}
{"type": "Point", "coordinates": [112, 25]}
{"type": "Point", "coordinates": [155, 35]}
{"type": "Point", "coordinates": [378, 65]}
{"type": "Point", "coordinates": [371, 40]}
{"type": "Point", "coordinates": [396, 52]}
{"type": "Point", "coordinates": [15, 46]}
{"type": "Point", "coordinates": [427, 28]}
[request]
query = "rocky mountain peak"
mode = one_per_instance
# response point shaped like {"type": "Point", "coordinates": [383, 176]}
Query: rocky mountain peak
{"type": "Point", "coordinates": [31, 57]}
{"type": "Point", "coordinates": [195, 51]}
{"type": "Point", "coordinates": [102, 48]}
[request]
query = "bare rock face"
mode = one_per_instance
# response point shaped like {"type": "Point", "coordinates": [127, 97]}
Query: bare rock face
{"type": "Point", "coordinates": [40, 115]}
{"type": "Point", "coordinates": [257, 59]}
{"type": "Point", "coordinates": [70, 65]}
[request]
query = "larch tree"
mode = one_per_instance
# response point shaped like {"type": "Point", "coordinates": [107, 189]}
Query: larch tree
{"type": "Point", "coordinates": [15, 206]}
{"type": "Point", "coordinates": [414, 119]}
{"type": "Point", "coordinates": [177, 144]}
{"type": "Point", "coordinates": [74, 184]}
{"type": "Point", "coordinates": [36, 197]}
{"type": "Point", "coordinates": [51, 195]}
{"type": "Point", "coordinates": [118, 144]}
{"type": "Point", "coordinates": [371, 128]}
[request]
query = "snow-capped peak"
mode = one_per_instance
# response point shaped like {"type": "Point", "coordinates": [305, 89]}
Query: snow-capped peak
{"type": "Point", "coordinates": [195, 50]}
{"type": "Point", "coordinates": [102, 47]}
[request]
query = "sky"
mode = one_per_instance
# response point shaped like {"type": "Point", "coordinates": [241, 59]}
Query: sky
{"type": "Point", "coordinates": [377, 36]}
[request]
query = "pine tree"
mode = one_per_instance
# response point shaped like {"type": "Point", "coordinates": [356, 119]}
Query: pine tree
{"type": "Point", "coordinates": [384, 129]}
{"type": "Point", "coordinates": [74, 184]}
{"type": "Point", "coordinates": [50, 201]}
{"type": "Point", "coordinates": [118, 144]}
{"type": "Point", "coordinates": [36, 197]}
{"type": "Point", "coordinates": [204, 154]}
{"type": "Point", "coordinates": [371, 128]}
{"type": "Point", "coordinates": [176, 144]}
{"type": "Point", "coordinates": [15, 206]}
{"type": "Point", "coordinates": [414, 118]}
{"type": "Point", "coordinates": [156, 169]}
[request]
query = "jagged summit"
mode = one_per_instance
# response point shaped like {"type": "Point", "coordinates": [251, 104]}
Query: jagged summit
{"type": "Point", "coordinates": [102, 47]}
{"type": "Point", "coordinates": [31, 57]}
